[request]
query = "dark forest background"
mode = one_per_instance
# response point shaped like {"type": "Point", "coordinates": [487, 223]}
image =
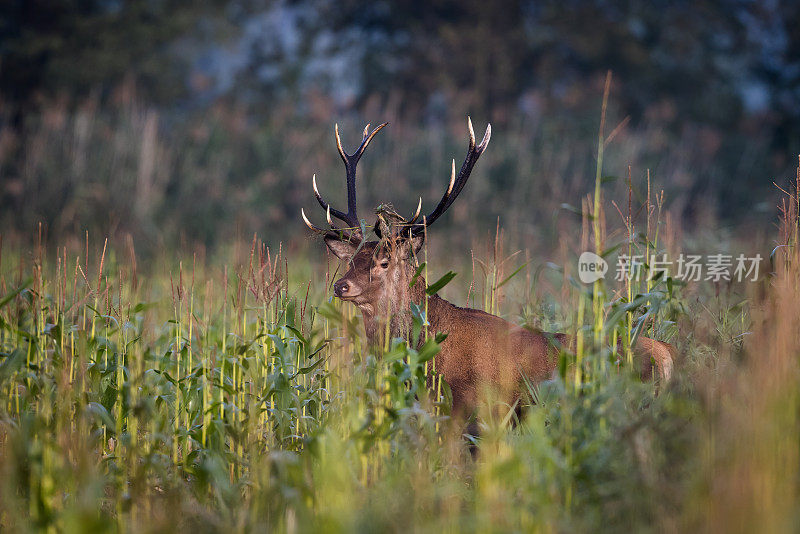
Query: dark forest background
{"type": "Point", "coordinates": [194, 122]}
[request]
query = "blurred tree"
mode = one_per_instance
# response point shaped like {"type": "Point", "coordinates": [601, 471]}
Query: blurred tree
{"type": "Point", "coordinates": [775, 35]}
{"type": "Point", "coordinates": [688, 52]}
{"type": "Point", "coordinates": [72, 47]}
{"type": "Point", "coordinates": [489, 54]}
{"type": "Point", "coordinates": [469, 50]}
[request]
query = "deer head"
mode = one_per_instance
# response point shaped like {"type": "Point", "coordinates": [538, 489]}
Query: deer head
{"type": "Point", "coordinates": [379, 273]}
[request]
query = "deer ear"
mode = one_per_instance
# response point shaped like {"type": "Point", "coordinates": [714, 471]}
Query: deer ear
{"type": "Point", "coordinates": [414, 245]}
{"type": "Point", "coordinates": [341, 249]}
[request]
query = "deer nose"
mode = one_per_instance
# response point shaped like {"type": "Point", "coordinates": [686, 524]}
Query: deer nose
{"type": "Point", "coordinates": [341, 287]}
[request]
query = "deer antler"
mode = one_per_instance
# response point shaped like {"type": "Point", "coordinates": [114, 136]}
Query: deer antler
{"type": "Point", "coordinates": [353, 224]}
{"type": "Point", "coordinates": [352, 230]}
{"type": "Point", "coordinates": [457, 183]}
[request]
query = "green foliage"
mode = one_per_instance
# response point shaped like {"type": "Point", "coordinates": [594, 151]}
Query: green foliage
{"type": "Point", "coordinates": [440, 283]}
{"type": "Point", "coordinates": [124, 408]}
{"type": "Point", "coordinates": [191, 401]}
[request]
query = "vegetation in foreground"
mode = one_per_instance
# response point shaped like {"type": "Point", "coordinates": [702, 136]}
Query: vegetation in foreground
{"type": "Point", "coordinates": [235, 400]}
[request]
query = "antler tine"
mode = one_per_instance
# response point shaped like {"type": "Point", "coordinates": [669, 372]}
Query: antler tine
{"type": "Point", "coordinates": [414, 217]}
{"type": "Point", "coordinates": [311, 226]}
{"type": "Point", "coordinates": [366, 140]}
{"type": "Point", "coordinates": [335, 233]}
{"type": "Point", "coordinates": [339, 143]}
{"type": "Point", "coordinates": [443, 203]}
{"type": "Point", "coordinates": [457, 183]}
{"type": "Point", "coordinates": [471, 132]}
{"type": "Point", "coordinates": [452, 179]}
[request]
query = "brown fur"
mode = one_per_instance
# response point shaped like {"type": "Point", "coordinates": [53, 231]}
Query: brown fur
{"type": "Point", "coordinates": [481, 350]}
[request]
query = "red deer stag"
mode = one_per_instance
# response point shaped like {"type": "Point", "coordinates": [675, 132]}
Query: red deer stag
{"type": "Point", "coordinates": [481, 350]}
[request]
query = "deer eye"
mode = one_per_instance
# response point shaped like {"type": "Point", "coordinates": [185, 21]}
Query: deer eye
{"type": "Point", "coordinates": [384, 264]}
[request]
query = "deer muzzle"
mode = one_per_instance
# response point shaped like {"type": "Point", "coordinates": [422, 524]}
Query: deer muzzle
{"type": "Point", "coordinates": [344, 289]}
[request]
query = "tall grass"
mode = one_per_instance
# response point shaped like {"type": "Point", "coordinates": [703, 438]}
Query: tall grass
{"type": "Point", "coordinates": [168, 178]}
{"type": "Point", "coordinates": [225, 398]}
{"type": "Point", "coordinates": [232, 394]}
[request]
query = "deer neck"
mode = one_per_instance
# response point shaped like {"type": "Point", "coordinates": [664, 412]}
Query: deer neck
{"type": "Point", "coordinates": [392, 314]}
